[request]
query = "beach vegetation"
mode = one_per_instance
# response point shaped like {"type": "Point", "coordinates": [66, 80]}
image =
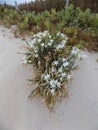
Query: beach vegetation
{"type": "Point", "coordinates": [58, 35]}
{"type": "Point", "coordinates": [53, 61]}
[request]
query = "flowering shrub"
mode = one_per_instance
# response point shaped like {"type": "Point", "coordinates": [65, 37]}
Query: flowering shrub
{"type": "Point", "coordinates": [53, 60]}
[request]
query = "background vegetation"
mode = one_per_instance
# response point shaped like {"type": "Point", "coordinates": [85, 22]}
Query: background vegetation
{"type": "Point", "coordinates": [81, 26]}
{"type": "Point", "coordinates": [41, 5]}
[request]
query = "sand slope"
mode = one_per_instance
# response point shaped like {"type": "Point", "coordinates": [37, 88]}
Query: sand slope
{"type": "Point", "coordinates": [80, 112]}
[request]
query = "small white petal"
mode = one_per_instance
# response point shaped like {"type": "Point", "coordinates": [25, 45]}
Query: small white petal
{"type": "Point", "coordinates": [52, 70]}
{"type": "Point", "coordinates": [24, 60]}
{"type": "Point", "coordinates": [42, 44]}
{"type": "Point", "coordinates": [49, 44]}
{"type": "Point", "coordinates": [47, 77]}
{"type": "Point", "coordinates": [60, 46]}
{"type": "Point", "coordinates": [64, 59]}
{"type": "Point", "coordinates": [39, 40]}
{"type": "Point", "coordinates": [64, 74]}
{"type": "Point", "coordinates": [52, 83]}
{"type": "Point", "coordinates": [50, 36]}
{"type": "Point", "coordinates": [65, 64]}
{"type": "Point", "coordinates": [51, 40]}
{"type": "Point", "coordinates": [75, 51]}
{"type": "Point", "coordinates": [52, 91]}
{"type": "Point", "coordinates": [36, 55]}
{"type": "Point", "coordinates": [55, 63]}
{"type": "Point", "coordinates": [30, 61]}
{"type": "Point", "coordinates": [60, 70]}
{"type": "Point", "coordinates": [64, 42]}
{"type": "Point", "coordinates": [69, 77]}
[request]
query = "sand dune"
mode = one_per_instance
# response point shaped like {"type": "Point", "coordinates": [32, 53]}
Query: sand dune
{"type": "Point", "coordinates": [79, 112]}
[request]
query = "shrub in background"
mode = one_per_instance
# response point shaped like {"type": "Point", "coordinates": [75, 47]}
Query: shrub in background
{"type": "Point", "coordinates": [43, 5]}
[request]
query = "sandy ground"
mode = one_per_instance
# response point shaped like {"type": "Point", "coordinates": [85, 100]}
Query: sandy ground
{"type": "Point", "coordinates": [79, 112]}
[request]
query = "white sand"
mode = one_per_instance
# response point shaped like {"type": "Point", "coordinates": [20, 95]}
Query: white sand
{"type": "Point", "coordinates": [80, 112]}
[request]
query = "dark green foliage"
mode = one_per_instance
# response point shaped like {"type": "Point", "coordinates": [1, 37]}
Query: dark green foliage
{"type": "Point", "coordinates": [84, 4]}
{"type": "Point", "coordinates": [67, 15]}
{"type": "Point", "coordinates": [41, 5]}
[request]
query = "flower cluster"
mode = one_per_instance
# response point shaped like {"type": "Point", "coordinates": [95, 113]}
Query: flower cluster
{"type": "Point", "coordinates": [54, 61]}
{"type": "Point", "coordinates": [43, 43]}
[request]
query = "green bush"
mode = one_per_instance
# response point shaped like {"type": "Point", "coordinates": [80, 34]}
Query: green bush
{"type": "Point", "coordinates": [53, 60]}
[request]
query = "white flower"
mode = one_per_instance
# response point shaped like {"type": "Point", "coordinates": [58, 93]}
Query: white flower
{"type": "Point", "coordinates": [65, 64]}
{"type": "Point", "coordinates": [62, 35]}
{"type": "Point", "coordinates": [51, 40]}
{"type": "Point", "coordinates": [46, 32]}
{"type": "Point", "coordinates": [61, 79]}
{"type": "Point", "coordinates": [58, 33]}
{"type": "Point", "coordinates": [30, 61]}
{"type": "Point", "coordinates": [55, 63]}
{"type": "Point", "coordinates": [36, 51]}
{"type": "Point", "coordinates": [69, 77]}
{"type": "Point", "coordinates": [42, 44]}
{"type": "Point", "coordinates": [52, 70]}
{"type": "Point", "coordinates": [52, 91]}
{"type": "Point", "coordinates": [39, 40]}
{"type": "Point", "coordinates": [47, 77]}
{"type": "Point", "coordinates": [63, 75]}
{"type": "Point", "coordinates": [82, 55]}
{"type": "Point", "coordinates": [52, 83]}
{"type": "Point", "coordinates": [36, 55]}
{"type": "Point", "coordinates": [39, 35]}
{"type": "Point", "coordinates": [60, 70]}
{"type": "Point", "coordinates": [60, 46]}
{"type": "Point", "coordinates": [64, 42]}
{"type": "Point", "coordinates": [64, 59]}
{"type": "Point", "coordinates": [79, 56]}
{"type": "Point", "coordinates": [66, 38]}
{"type": "Point", "coordinates": [49, 43]}
{"type": "Point", "coordinates": [75, 51]}
{"type": "Point", "coordinates": [58, 84]}
{"type": "Point", "coordinates": [50, 36]}
{"type": "Point", "coordinates": [32, 42]}
{"type": "Point", "coordinates": [24, 60]}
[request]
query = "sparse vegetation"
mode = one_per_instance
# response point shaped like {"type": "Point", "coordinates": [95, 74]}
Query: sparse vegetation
{"type": "Point", "coordinates": [53, 61]}
{"type": "Point", "coordinates": [79, 26]}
